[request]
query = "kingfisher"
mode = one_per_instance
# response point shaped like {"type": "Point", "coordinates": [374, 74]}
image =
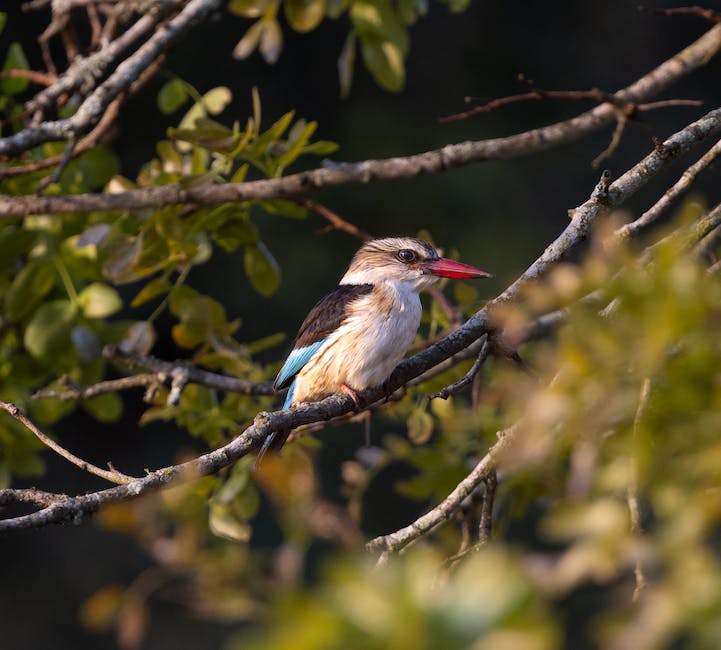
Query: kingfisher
{"type": "Point", "coordinates": [355, 336]}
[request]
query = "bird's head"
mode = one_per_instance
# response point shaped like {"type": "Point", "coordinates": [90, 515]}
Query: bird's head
{"type": "Point", "coordinates": [405, 260]}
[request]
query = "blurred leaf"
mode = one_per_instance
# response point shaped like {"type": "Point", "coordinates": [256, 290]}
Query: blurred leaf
{"type": "Point", "coordinates": [248, 44]}
{"type": "Point", "coordinates": [14, 60]}
{"type": "Point", "coordinates": [304, 15]}
{"type": "Point", "coordinates": [384, 59]}
{"type": "Point", "coordinates": [154, 288]}
{"type": "Point", "coordinates": [285, 208]}
{"type": "Point", "coordinates": [420, 426]}
{"type": "Point", "coordinates": [262, 269]}
{"type": "Point", "coordinates": [29, 287]}
{"type": "Point", "coordinates": [86, 343]}
{"type": "Point", "coordinates": [49, 329]}
{"type": "Point", "coordinates": [99, 612]}
{"type": "Point", "coordinates": [106, 408]}
{"type": "Point", "coordinates": [172, 96]}
{"type": "Point", "coordinates": [99, 300]}
{"type": "Point", "coordinates": [92, 169]}
{"type": "Point", "coordinates": [217, 99]}
{"type": "Point", "coordinates": [321, 148]}
{"type": "Point", "coordinates": [139, 339]}
{"type": "Point", "coordinates": [247, 8]}
{"type": "Point", "coordinates": [271, 41]}
{"type": "Point", "coordinates": [224, 524]}
{"type": "Point", "coordinates": [3, 20]}
{"type": "Point", "coordinates": [346, 64]}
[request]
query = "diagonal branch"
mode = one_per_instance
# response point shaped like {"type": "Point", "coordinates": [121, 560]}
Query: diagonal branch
{"type": "Point", "coordinates": [603, 198]}
{"type": "Point", "coordinates": [109, 475]}
{"type": "Point", "coordinates": [332, 174]}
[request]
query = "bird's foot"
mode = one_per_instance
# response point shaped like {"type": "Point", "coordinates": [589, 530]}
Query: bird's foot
{"type": "Point", "coordinates": [353, 395]}
{"type": "Point", "coordinates": [387, 390]}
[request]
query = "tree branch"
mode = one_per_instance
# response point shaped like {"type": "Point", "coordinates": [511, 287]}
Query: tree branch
{"type": "Point", "coordinates": [109, 475]}
{"type": "Point", "coordinates": [92, 109]}
{"type": "Point", "coordinates": [332, 174]}
{"type": "Point", "coordinates": [603, 198]}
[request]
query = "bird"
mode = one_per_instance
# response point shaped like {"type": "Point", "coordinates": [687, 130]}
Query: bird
{"type": "Point", "coordinates": [355, 336]}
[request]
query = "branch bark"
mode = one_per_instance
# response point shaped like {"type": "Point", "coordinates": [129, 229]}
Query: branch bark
{"type": "Point", "coordinates": [332, 174]}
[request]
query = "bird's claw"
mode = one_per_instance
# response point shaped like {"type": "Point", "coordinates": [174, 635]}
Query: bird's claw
{"type": "Point", "coordinates": [353, 395]}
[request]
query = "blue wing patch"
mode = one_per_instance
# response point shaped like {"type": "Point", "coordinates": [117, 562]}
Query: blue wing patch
{"type": "Point", "coordinates": [295, 362]}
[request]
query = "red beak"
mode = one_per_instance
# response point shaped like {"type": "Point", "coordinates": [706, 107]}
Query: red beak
{"type": "Point", "coordinates": [449, 269]}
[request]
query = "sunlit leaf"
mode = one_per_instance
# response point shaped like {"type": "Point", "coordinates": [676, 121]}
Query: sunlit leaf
{"type": "Point", "coordinates": [304, 15]}
{"type": "Point", "coordinates": [99, 300]}
{"type": "Point", "coordinates": [420, 426]}
{"type": "Point", "coordinates": [248, 44]}
{"type": "Point", "coordinates": [154, 288]}
{"type": "Point", "coordinates": [271, 41]}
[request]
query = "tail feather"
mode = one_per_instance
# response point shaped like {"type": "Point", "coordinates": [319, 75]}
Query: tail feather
{"type": "Point", "coordinates": [276, 439]}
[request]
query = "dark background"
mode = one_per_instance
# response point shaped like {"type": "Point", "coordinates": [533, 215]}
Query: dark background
{"type": "Point", "coordinates": [499, 215]}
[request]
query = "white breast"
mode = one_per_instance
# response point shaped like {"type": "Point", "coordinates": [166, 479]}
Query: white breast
{"type": "Point", "coordinates": [367, 347]}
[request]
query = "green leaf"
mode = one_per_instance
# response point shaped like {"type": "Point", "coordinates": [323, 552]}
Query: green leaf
{"type": "Point", "coordinates": [384, 59]}
{"type": "Point", "coordinates": [13, 243]}
{"type": "Point", "coordinates": [3, 20]}
{"type": "Point", "coordinates": [420, 426]}
{"type": "Point", "coordinates": [15, 60]}
{"type": "Point", "coordinates": [99, 300]}
{"type": "Point", "coordinates": [199, 315]}
{"type": "Point", "coordinates": [384, 41]}
{"type": "Point", "coordinates": [172, 95]}
{"type": "Point", "coordinates": [105, 408]}
{"type": "Point", "coordinates": [304, 15]}
{"type": "Point", "coordinates": [246, 8]}
{"type": "Point", "coordinates": [93, 169]}
{"type": "Point", "coordinates": [285, 208]}
{"type": "Point", "coordinates": [154, 288]}
{"type": "Point", "coordinates": [320, 148]}
{"type": "Point", "coordinates": [248, 44]}
{"type": "Point", "coordinates": [29, 287]}
{"type": "Point", "coordinates": [262, 269]}
{"type": "Point", "coordinates": [217, 99]}
{"type": "Point", "coordinates": [296, 142]}
{"type": "Point", "coordinates": [49, 328]}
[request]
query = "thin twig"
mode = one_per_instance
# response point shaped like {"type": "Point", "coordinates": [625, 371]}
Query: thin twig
{"type": "Point", "coordinates": [112, 476]}
{"type": "Point", "coordinates": [194, 375]}
{"type": "Point", "coordinates": [336, 221]}
{"type": "Point", "coordinates": [632, 492]}
{"type": "Point", "coordinates": [446, 392]}
{"type": "Point", "coordinates": [72, 391]}
{"type": "Point", "coordinates": [485, 525]}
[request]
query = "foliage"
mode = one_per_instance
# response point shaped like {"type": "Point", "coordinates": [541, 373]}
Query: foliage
{"type": "Point", "coordinates": [380, 27]}
{"type": "Point", "coordinates": [609, 482]}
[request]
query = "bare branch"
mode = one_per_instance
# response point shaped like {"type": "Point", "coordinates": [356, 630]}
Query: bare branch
{"type": "Point", "coordinates": [72, 391]}
{"type": "Point", "coordinates": [29, 495]}
{"type": "Point", "coordinates": [672, 193]}
{"type": "Point", "coordinates": [166, 370]}
{"type": "Point", "coordinates": [112, 476]}
{"type": "Point", "coordinates": [485, 525]}
{"type": "Point", "coordinates": [446, 392]}
{"type": "Point", "coordinates": [92, 109]}
{"type": "Point", "coordinates": [333, 174]}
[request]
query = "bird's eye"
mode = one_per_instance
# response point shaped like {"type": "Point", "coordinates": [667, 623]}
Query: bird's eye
{"type": "Point", "coordinates": [407, 255]}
